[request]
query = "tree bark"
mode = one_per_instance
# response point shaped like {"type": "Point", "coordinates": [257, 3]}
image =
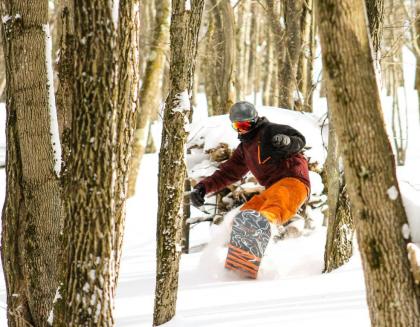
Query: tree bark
{"type": "Point", "coordinates": [86, 292]}
{"type": "Point", "coordinates": [339, 243]}
{"type": "Point", "coordinates": [288, 70]}
{"type": "Point", "coordinates": [221, 56]}
{"type": "Point", "coordinates": [275, 53]}
{"type": "Point", "coordinates": [253, 87]}
{"type": "Point", "coordinates": [353, 96]}
{"type": "Point", "coordinates": [126, 110]}
{"type": "Point", "coordinates": [305, 70]}
{"type": "Point", "coordinates": [241, 55]}
{"type": "Point", "coordinates": [417, 53]}
{"type": "Point", "coordinates": [2, 70]}
{"type": "Point", "coordinates": [184, 29]}
{"type": "Point", "coordinates": [32, 213]}
{"type": "Point", "coordinates": [375, 13]}
{"type": "Point", "coordinates": [152, 82]}
{"type": "Point", "coordinates": [65, 75]}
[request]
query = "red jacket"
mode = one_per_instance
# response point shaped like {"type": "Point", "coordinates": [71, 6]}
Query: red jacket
{"type": "Point", "coordinates": [268, 164]}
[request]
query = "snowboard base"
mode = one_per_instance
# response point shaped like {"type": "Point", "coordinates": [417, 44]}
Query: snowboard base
{"type": "Point", "coordinates": [249, 238]}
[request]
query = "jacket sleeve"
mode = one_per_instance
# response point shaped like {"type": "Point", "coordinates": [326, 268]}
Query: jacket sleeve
{"type": "Point", "coordinates": [297, 141]}
{"type": "Point", "coordinates": [227, 173]}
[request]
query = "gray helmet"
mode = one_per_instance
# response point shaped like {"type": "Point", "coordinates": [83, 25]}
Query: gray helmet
{"type": "Point", "coordinates": [241, 111]}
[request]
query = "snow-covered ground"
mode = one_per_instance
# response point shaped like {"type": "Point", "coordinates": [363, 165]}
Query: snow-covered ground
{"type": "Point", "coordinates": [290, 291]}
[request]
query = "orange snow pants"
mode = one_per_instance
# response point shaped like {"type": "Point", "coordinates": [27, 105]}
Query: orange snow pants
{"type": "Point", "coordinates": [280, 201]}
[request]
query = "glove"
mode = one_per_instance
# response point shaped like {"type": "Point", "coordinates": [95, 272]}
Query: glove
{"type": "Point", "coordinates": [280, 140]}
{"type": "Point", "coordinates": [197, 195]}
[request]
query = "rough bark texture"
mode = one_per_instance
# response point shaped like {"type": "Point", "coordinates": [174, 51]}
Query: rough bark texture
{"type": "Point", "coordinates": [243, 20]}
{"type": "Point", "coordinates": [32, 212]}
{"type": "Point", "coordinates": [184, 32]}
{"type": "Point", "coordinates": [221, 55]}
{"type": "Point", "coordinates": [126, 110]}
{"type": "Point", "coordinates": [90, 183]}
{"type": "Point", "coordinates": [339, 244]}
{"type": "Point", "coordinates": [254, 65]}
{"type": "Point", "coordinates": [288, 70]}
{"type": "Point", "coordinates": [375, 13]}
{"type": "Point", "coordinates": [65, 74]}
{"type": "Point", "coordinates": [151, 84]}
{"type": "Point", "coordinates": [275, 52]}
{"type": "Point", "coordinates": [353, 97]}
{"type": "Point", "coordinates": [306, 58]}
{"type": "Point", "coordinates": [2, 70]}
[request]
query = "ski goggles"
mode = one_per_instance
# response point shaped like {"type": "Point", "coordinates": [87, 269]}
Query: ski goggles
{"type": "Point", "coordinates": [244, 125]}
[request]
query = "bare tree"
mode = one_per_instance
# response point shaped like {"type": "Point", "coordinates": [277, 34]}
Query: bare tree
{"type": "Point", "coordinates": [65, 73]}
{"type": "Point", "coordinates": [184, 29]}
{"type": "Point", "coordinates": [288, 71]}
{"type": "Point", "coordinates": [339, 244]}
{"type": "Point", "coordinates": [32, 212]}
{"type": "Point", "coordinates": [353, 96]}
{"type": "Point", "coordinates": [220, 53]}
{"type": "Point", "coordinates": [95, 181]}
{"type": "Point", "coordinates": [375, 13]}
{"type": "Point", "coordinates": [243, 24]}
{"type": "Point", "coordinates": [126, 111]}
{"type": "Point", "coordinates": [392, 68]}
{"type": "Point", "coordinates": [152, 81]}
{"type": "Point", "coordinates": [340, 232]}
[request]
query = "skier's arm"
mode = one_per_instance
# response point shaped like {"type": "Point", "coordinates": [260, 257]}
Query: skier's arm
{"type": "Point", "coordinates": [227, 173]}
{"type": "Point", "coordinates": [288, 142]}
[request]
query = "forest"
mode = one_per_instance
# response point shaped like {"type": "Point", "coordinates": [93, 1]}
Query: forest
{"type": "Point", "coordinates": [114, 113]}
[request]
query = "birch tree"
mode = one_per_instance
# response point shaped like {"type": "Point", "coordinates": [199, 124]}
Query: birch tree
{"type": "Point", "coordinates": [185, 23]}
{"type": "Point", "coordinates": [32, 212]}
{"type": "Point", "coordinates": [353, 96]}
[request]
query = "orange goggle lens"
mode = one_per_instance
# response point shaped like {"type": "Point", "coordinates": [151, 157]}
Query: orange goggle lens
{"type": "Point", "coordinates": [243, 126]}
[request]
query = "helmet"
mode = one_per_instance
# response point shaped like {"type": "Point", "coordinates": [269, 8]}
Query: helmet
{"type": "Point", "coordinates": [242, 111]}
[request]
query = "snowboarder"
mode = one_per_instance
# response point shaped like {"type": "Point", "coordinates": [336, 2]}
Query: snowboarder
{"type": "Point", "coordinates": [271, 152]}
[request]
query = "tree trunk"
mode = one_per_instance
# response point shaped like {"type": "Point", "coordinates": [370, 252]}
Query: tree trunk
{"type": "Point", "coordinates": [304, 72]}
{"type": "Point", "coordinates": [339, 244]}
{"type": "Point", "coordinates": [417, 41]}
{"type": "Point", "coordinates": [241, 56]}
{"type": "Point", "coordinates": [152, 82]}
{"type": "Point", "coordinates": [288, 70]}
{"type": "Point", "coordinates": [252, 87]}
{"type": "Point", "coordinates": [354, 99]}
{"type": "Point", "coordinates": [65, 74]}
{"type": "Point", "coordinates": [32, 213]}
{"type": "Point", "coordinates": [276, 51]}
{"type": "Point", "coordinates": [220, 57]}
{"type": "Point", "coordinates": [184, 32]}
{"type": "Point", "coordinates": [375, 13]}
{"type": "Point", "coordinates": [126, 110]}
{"type": "Point", "coordinates": [2, 70]}
{"type": "Point", "coordinates": [86, 293]}
{"type": "Point", "coordinates": [394, 76]}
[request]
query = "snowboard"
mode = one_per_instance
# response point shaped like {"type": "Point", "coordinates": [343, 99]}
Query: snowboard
{"type": "Point", "coordinates": [248, 240]}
